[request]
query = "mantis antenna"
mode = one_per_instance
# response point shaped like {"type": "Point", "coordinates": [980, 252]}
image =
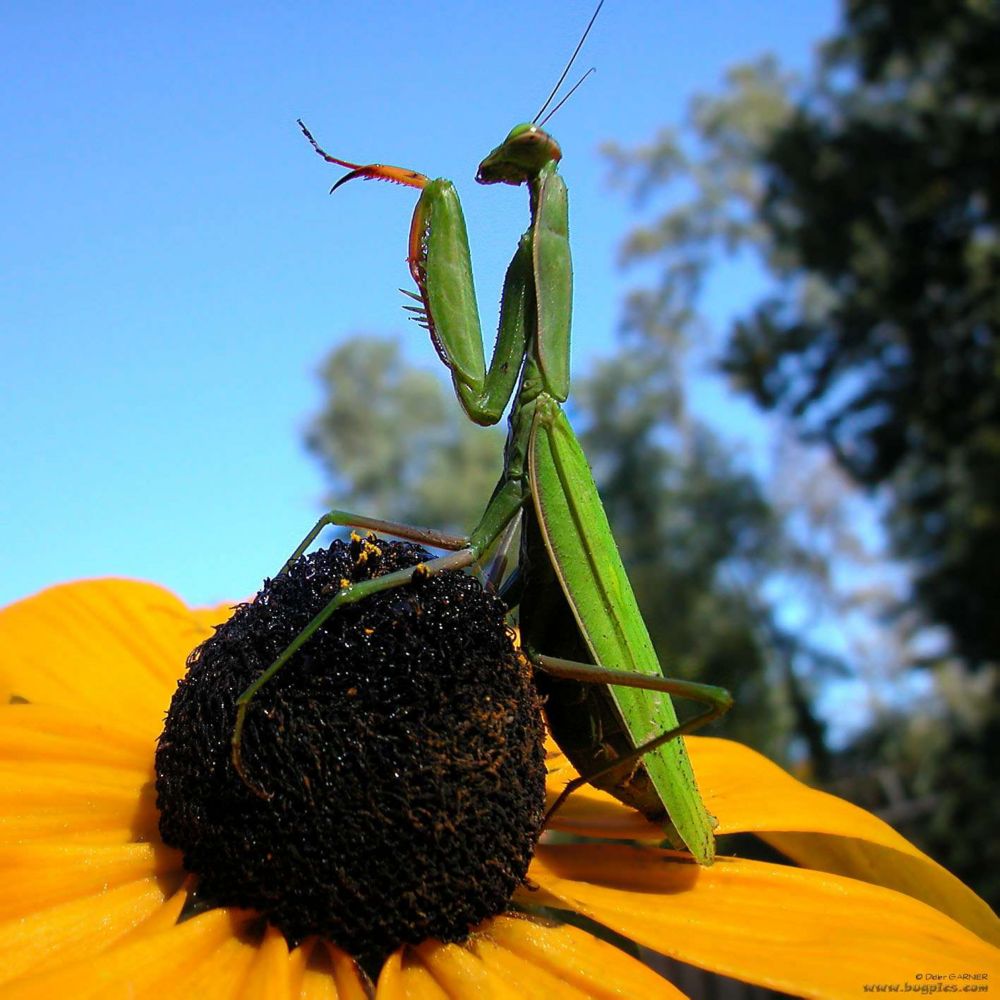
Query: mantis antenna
{"type": "Point", "coordinates": [572, 90]}
{"type": "Point", "coordinates": [569, 65]}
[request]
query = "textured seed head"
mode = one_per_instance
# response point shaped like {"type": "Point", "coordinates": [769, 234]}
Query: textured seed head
{"type": "Point", "coordinates": [400, 751]}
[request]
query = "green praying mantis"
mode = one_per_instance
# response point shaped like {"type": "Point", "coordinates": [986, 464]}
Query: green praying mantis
{"type": "Point", "coordinates": [607, 703]}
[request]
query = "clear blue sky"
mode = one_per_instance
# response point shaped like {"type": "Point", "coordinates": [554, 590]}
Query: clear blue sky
{"type": "Point", "coordinates": [172, 270]}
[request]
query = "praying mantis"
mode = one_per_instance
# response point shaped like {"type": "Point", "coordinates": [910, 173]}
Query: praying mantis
{"type": "Point", "coordinates": [607, 703]}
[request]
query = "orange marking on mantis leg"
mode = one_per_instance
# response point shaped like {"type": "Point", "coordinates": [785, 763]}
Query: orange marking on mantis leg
{"type": "Point", "coordinates": [383, 172]}
{"type": "Point", "coordinates": [371, 171]}
{"type": "Point", "coordinates": [416, 258]}
{"type": "Point", "coordinates": [417, 252]}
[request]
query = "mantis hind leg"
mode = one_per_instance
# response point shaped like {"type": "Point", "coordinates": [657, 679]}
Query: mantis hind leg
{"type": "Point", "coordinates": [347, 519]}
{"type": "Point", "coordinates": [493, 574]}
{"type": "Point", "coordinates": [717, 700]}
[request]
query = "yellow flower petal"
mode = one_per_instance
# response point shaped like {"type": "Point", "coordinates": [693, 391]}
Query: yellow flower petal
{"type": "Point", "coordinates": [86, 912]}
{"type": "Point", "coordinates": [36, 801]}
{"type": "Point", "coordinates": [202, 956]}
{"type": "Point", "coordinates": [404, 977]}
{"type": "Point", "coordinates": [313, 971]}
{"type": "Point", "coordinates": [74, 931]}
{"type": "Point", "coordinates": [317, 985]}
{"type": "Point", "coordinates": [64, 774]}
{"type": "Point", "coordinates": [47, 733]}
{"type": "Point", "coordinates": [574, 958]}
{"type": "Point", "coordinates": [523, 959]}
{"type": "Point", "coordinates": [210, 955]}
{"type": "Point", "coordinates": [916, 875]}
{"type": "Point", "coordinates": [270, 976]}
{"type": "Point", "coordinates": [805, 933]}
{"type": "Point", "coordinates": [750, 794]}
{"type": "Point", "coordinates": [222, 974]}
{"type": "Point", "coordinates": [162, 919]}
{"type": "Point", "coordinates": [532, 982]}
{"type": "Point", "coordinates": [313, 974]}
{"type": "Point", "coordinates": [38, 876]}
{"type": "Point", "coordinates": [350, 981]}
{"type": "Point", "coordinates": [112, 648]}
{"type": "Point", "coordinates": [459, 972]}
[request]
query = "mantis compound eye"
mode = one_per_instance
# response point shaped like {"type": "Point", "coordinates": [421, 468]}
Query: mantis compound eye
{"type": "Point", "coordinates": [401, 750]}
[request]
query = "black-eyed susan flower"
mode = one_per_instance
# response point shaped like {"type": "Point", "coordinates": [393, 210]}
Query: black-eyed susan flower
{"type": "Point", "coordinates": [94, 904]}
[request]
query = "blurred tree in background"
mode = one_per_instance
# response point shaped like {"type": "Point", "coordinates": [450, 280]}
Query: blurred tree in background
{"type": "Point", "coordinates": [871, 196]}
{"type": "Point", "coordinates": [868, 195]}
{"type": "Point", "coordinates": [394, 444]}
{"type": "Point", "coordinates": [881, 205]}
{"type": "Point", "coordinates": [701, 544]}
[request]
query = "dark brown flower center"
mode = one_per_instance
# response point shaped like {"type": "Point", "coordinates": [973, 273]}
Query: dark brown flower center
{"type": "Point", "coordinates": [401, 750]}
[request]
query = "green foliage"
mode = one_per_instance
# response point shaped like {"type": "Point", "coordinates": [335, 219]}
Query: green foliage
{"type": "Point", "coordinates": [714, 184]}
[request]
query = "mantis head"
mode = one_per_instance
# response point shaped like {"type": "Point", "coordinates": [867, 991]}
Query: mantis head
{"type": "Point", "coordinates": [520, 157]}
